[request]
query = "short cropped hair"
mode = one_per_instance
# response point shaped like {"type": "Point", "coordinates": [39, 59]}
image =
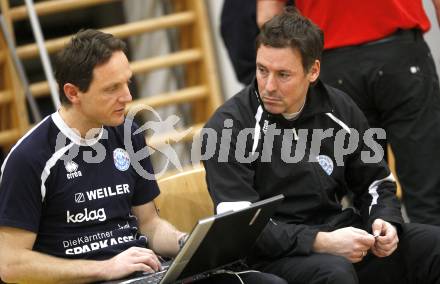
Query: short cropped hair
{"type": "Point", "coordinates": [291, 29]}
{"type": "Point", "coordinates": [86, 50]}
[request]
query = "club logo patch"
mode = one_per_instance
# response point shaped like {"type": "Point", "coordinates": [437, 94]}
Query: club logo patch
{"type": "Point", "coordinates": [326, 164]}
{"type": "Point", "coordinates": [121, 159]}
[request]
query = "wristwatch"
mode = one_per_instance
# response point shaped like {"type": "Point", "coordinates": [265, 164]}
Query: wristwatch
{"type": "Point", "coordinates": [181, 241]}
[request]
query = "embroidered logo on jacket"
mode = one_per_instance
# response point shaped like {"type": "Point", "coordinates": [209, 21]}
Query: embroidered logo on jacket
{"type": "Point", "coordinates": [72, 170]}
{"type": "Point", "coordinates": [326, 164]}
{"type": "Point", "coordinates": [121, 159]}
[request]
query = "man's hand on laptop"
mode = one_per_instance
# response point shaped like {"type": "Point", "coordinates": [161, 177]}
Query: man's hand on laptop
{"type": "Point", "coordinates": [129, 261]}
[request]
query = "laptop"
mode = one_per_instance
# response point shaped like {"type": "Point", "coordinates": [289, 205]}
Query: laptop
{"type": "Point", "coordinates": [215, 242]}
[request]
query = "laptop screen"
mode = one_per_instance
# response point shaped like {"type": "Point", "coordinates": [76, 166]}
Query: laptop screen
{"type": "Point", "coordinates": [222, 239]}
{"type": "Point", "coordinates": [215, 242]}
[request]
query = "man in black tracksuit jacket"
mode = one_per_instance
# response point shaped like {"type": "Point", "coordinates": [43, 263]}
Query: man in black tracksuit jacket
{"type": "Point", "coordinates": [289, 133]}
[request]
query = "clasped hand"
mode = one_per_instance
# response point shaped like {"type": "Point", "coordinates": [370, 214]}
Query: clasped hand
{"type": "Point", "coordinates": [354, 244]}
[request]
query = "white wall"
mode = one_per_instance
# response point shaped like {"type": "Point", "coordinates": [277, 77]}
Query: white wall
{"type": "Point", "coordinates": [230, 84]}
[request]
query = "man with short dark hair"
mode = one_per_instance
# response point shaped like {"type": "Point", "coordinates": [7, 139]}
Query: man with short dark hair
{"type": "Point", "coordinates": [383, 63]}
{"type": "Point", "coordinates": [288, 133]}
{"type": "Point", "coordinates": [73, 207]}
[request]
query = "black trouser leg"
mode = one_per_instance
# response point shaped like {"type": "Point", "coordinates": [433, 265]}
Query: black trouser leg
{"type": "Point", "coordinates": [314, 269]}
{"type": "Point", "coordinates": [396, 86]}
{"type": "Point", "coordinates": [246, 277]}
{"type": "Point", "coordinates": [417, 259]}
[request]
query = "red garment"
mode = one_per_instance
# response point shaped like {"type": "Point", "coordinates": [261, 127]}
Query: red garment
{"type": "Point", "coordinates": [352, 22]}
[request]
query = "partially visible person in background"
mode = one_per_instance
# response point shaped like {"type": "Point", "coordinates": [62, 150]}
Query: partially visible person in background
{"type": "Point", "coordinates": [379, 58]}
{"type": "Point", "coordinates": [239, 29]}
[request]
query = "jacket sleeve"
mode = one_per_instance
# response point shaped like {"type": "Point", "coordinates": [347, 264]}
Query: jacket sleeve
{"type": "Point", "coordinates": [230, 180]}
{"type": "Point", "coordinates": [369, 177]}
{"type": "Point", "coordinates": [280, 239]}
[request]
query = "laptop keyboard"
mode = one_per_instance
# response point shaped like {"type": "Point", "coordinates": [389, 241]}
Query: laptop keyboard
{"type": "Point", "coordinates": [151, 279]}
{"type": "Point", "coordinates": [156, 277]}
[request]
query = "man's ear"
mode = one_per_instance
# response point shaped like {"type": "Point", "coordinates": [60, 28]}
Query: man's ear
{"type": "Point", "coordinates": [71, 91]}
{"type": "Point", "coordinates": [314, 71]}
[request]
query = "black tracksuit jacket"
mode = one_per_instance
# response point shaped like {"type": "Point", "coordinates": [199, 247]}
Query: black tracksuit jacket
{"type": "Point", "coordinates": [258, 167]}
